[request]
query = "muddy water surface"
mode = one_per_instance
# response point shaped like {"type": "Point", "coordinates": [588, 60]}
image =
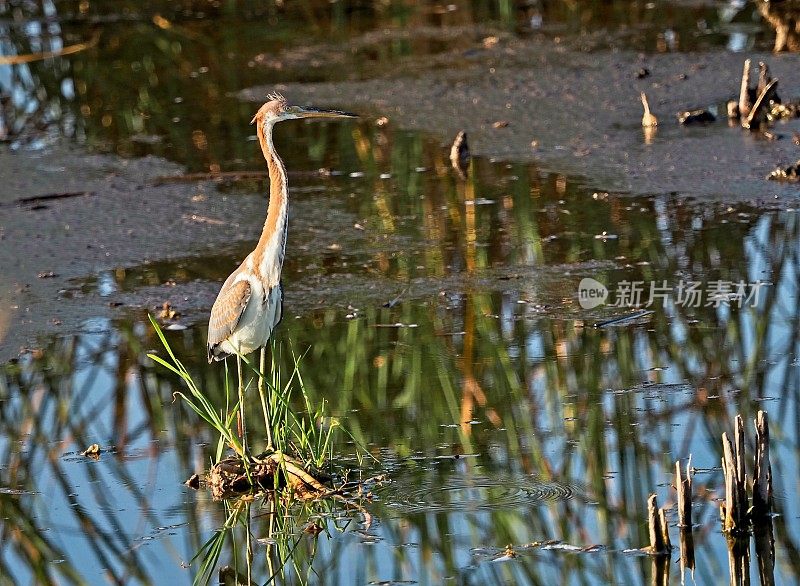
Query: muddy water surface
{"type": "Point", "coordinates": [440, 320]}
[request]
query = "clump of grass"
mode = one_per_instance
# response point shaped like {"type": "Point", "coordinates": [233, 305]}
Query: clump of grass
{"type": "Point", "coordinates": [221, 420]}
{"type": "Point", "coordinates": [298, 444]}
{"type": "Point", "coordinates": [306, 436]}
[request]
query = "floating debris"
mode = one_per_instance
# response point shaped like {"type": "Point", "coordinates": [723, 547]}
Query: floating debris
{"type": "Point", "coordinates": [193, 481]}
{"type": "Point", "coordinates": [648, 119]}
{"type": "Point", "coordinates": [615, 321]}
{"type": "Point", "coordinates": [790, 173]}
{"type": "Point", "coordinates": [167, 312]}
{"type": "Point", "coordinates": [784, 112]}
{"type": "Point", "coordinates": [605, 236]}
{"type": "Point", "coordinates": [229, 478]}
{"type": "Point", "coordinates": [508, 554]}
{"type": "Point", "coordinates": [733, 109]}
{"type": "Point", "coordinates": [396, 300]}
{"type": "Point", "coordinates": [700, 116]}
{"type": "Point", "coordinates": [92, 452]}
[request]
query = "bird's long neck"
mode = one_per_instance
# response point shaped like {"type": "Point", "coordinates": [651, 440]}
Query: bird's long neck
{"type": "Point", "coordinates": [268, 255]}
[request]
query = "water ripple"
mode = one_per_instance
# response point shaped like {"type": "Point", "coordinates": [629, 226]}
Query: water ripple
{"type": "Point", "coordinates": [472, 493]}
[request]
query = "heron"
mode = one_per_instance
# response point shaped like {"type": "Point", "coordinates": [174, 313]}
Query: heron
{"type": "Point", "coordinates": [248, 307]}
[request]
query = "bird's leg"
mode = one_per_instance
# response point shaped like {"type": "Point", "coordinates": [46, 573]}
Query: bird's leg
{"type": "Point", "coordinates": [240, 418]}
{"type": "Point", "coordinates": [264, 405]}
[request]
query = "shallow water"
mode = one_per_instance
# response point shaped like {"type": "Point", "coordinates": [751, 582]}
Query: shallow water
{"type": "Point", "coordinates": [443, 328]}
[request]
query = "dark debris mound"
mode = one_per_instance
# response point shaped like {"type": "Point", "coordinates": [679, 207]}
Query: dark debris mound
{"type": "Point", "coordinates": [269, 471]}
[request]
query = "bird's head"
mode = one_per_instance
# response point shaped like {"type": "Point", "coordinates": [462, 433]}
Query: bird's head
{"type": "Point", "coordinates": [277, 109]}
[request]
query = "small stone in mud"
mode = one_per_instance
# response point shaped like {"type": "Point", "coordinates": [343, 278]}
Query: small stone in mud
{"type": "Point", "coordinates": [92, 452]}
{"type": "Point", "coordinates": [695, 117]}
{"type": "Point", "coordinates": [500, 124]}
{"type": "Point", "coordinates": [193, 482]}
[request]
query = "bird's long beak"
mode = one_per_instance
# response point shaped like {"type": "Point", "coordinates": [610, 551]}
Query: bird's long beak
{"type": "Point", "coordinates": [311, 112]}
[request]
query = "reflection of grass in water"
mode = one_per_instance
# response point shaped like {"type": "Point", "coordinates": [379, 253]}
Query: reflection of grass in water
{"type": "Point", "coordinates": [280, 534]}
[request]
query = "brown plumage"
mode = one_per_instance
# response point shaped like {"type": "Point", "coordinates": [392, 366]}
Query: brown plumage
{"type": "Point", "coordinates": [249, 305]}
{"type": "Point", "coordinates": [226, 312]}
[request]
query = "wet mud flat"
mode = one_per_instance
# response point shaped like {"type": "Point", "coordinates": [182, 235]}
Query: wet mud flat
{"type": "Point", "coordinates": [578, 112]}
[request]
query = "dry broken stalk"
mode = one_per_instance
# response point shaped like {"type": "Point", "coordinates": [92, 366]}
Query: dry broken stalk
{"type": "Point", "coordinates": [741, 473]}
{"type": "Point", "coordinates": [744, 91]}
{"type": "Point", "coordinates": [648, 119]}
{"type": "Point", "coordinates": [762, 477]}
{"type": "Point", "coordinates": [684, 488]}
{"type": "Point", "coordinates": [734, 513]}
{"type": "Point", "coordinates": [758, 112]}
{"type": "Point", "coordinates": [659, 531]}
{"type": "Point", "coordinates": [662, 522]}
{"type": "Point", "coordinates": [763, 77]}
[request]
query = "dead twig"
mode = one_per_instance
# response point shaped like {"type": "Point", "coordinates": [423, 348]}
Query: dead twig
{"type": "Point", "coordinates": [68, 50]}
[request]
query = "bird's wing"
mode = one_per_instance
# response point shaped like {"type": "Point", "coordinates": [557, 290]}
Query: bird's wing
{"type": "Point", "coordinates": [226, 313]}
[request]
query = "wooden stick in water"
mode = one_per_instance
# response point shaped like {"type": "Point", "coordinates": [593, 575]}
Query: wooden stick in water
{"type": "Point", "coordinates": [744, 91]}
{"type": "Point", "coordinates": [657, 526]}
{"type": "Point", "coordinates": [733, 519]}
{"type": "Point", "coordinates": [684, 488]}
{"type": "Point", "coordinates": [762, 477]}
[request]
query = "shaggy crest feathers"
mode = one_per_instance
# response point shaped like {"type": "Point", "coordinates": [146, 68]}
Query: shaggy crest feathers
{"type": "Point", "coordinates": [275, 104]}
